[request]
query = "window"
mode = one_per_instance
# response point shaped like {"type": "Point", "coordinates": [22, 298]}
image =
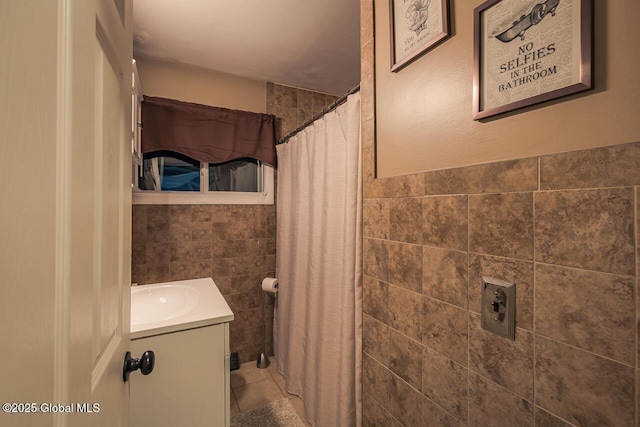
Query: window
{"type": "Point", "coordinates": [167, 177]}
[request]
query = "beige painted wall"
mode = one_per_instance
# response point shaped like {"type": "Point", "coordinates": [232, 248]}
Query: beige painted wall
{"type": "Point", "coordinates": [424, 112]}
{"type": "Point", "coordinates": [193, 84]}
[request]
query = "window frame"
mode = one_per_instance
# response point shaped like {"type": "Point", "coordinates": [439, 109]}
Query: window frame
{"type": "Point", "coordinates": [206, 197]}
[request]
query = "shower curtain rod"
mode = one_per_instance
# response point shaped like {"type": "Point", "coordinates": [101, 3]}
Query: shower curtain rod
{"type": "Point", "coordinates": [335, 104]}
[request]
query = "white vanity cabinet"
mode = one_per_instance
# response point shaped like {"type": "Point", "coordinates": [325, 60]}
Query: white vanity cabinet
{"type": "Point", "coordinates": [189, 385]}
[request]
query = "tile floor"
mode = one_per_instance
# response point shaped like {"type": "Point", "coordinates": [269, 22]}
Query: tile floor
{"type": "Point", "coordinates": [252, 387]}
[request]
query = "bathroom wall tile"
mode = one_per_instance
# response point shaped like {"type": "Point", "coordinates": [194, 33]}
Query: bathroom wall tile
{"type": "Point", "coordinates": [304, 100]}
{"type": "Point", "coordinates": [180, 214]}
{"type": "Point", "coordinates": [405, 266]}
{"type": "Point", "coordinates": [376, 259]}
{"type": "Point", "coordinates": [157, 273]}
{"type": "Point", "coordinates": [590, 229]}
{"type": "Point", "coordinates": [179, 233]}
{"type": "Point", "coordinates": [181, 270]}
{"type": "Point", "coordinates": [201, 250]}
{"type": "Point", "coordinates": [405, 358]}
{"type": "Point", "coordinates": [403, 186]}
{"type": "Point", "coordinates": [445, 383]}
{"type": "Point", "coordinates": [139, 274]}
{"type": "Point", "coordinates": [510, 270]}
{"type": "Point", "coordinates": [583, 388]}
{"type": "Point", "coordinates": [201, 231]}
{"type": "Point", "coordinates": [375, 379]}
{"type": "Point", "coordinates": [405, 402]}
{"type": "Point", "coordinates": [375, 296]}
{"type": "Point", "coordinates": [374, 415]}
{"type": "Point", "coordinates": [157, 253]}
{"type": "Point", "coordinates": [367, 108]}
{"type": "Point", "coordinates": [545, 419]}
{"type": "Point", "coordinates": [502, 224]}
{"type": "Point", "coordinates": [405, 312]}
{"type": "Point", "coordinates": [237, 302]}
{"type": "Point", "coordinates": [445, 222]}
{"type": "Point", "coordinates": [591, 310]}
{"type": "Point", "coordinates": [406, 220]}
{"type": "Point", "coordinates": [138, 252]}
{"type": "Point", "coordinates": [158, 213]}
{"type": "Point", "coordinates": [157, 232]}
{"type": "Point", "coordinates": [376, 218]}
{"type": "Point", "coordinates": [366, 21]}
{"type": "Point", "coordinates": [503, 361]}
{"type": "Point", "coordinates": [445, 275]}
{"type": "Point", "coordinates": [435, 416]}
{"type": "Point", "coordinates": [180, 251]}
{"type": "Point", "coordinates": [444, 329]}
{"type": "Point", "coordinates": [270, 98]}
{"type": "Point", "coordinates": [201, 269]}
{"type": "Point", "coordinates": [138, 224]}
{"type": "Point", "coordinates": [201, 213]}
{"type": "Point", "coordinates": [493, 406]}
{"type": "Point", "coordinates": [375, 339]}
{"type": "Point", "coordinates": [368, 159]}
{"type": "Point", "coordinates": [498, 177]}
{"type": "Point", "coordinates": [616, 166]}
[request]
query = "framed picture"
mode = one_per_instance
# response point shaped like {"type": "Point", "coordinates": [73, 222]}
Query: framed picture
{"type": "Point", "coordinates": [529, 51]}
{"type": "Point", "coordinates": [416, 26]}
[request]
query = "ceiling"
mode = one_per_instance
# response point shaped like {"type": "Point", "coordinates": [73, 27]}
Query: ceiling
{"type": "Point", "coordinates": [311, 44]}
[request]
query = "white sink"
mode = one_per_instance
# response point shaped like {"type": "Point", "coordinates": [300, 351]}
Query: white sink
{"type": "Point", "coordinates": [158, 303]}
{"type": "Point", "coordinates": [175, 306]}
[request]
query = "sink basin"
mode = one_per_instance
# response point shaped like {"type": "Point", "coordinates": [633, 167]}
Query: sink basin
{"type": "Point", "coordinates": [169, 307]}
{"type": "Point", "coordinates": [158, 303]}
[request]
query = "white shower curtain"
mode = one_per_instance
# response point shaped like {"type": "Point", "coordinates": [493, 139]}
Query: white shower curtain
{"type": "Point", "coordinates": [317, 329]}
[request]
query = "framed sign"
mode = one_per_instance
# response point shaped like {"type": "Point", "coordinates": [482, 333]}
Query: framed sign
{"type": "Point", "coordinates": [529, 51]}
{"type": "Point", "coordinates": [416, 27]}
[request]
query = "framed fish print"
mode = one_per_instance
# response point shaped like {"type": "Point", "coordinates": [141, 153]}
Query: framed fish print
{"type": "Point", "coordinates": [416, 27]}
{"type": "Point", "coordinates": [529, 51]}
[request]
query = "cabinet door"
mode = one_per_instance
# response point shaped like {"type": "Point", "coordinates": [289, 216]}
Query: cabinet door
{"type": "Point", "coordinates": [187, 386]}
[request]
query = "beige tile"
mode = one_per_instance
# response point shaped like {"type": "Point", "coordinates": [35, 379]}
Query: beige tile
{"type": "Point", "coordinates": [257, 394]}
{"type": "Point", "coordinates": [247, 374]}
{"type": "Point", "coordinates": [405, 402]}
{"type": "Point", "coordinates": [502, 224]}
{"type": "Point", "coordinates": [503, 361]}
{"type": "Point", "coordinates": [410, 185]}
{"type": "Point", "coordinates": [406, 220]}
{"type": "Point", "coordinates": [157, 232]}
{"type": "Point", "coordinates": [591, 229]}
{"type": "Point", "coordinates": [368, 158]}
{"type": "Point", "coordinates": [375, 379]}
{"type": "Point", "coordinates": [158, 213]}
{"type": "Point", "coordinates": [375, 296]}
{"type": "Point", "coordinates": [367, 81]}
{"type": "Point", "coordinates": [616, 166]}
{"type": "Point", "coordinates": [405, 358]}
{"type": "Point", "coordinates": [445, 383]}
{"type": "Point", "coordinates": [435, 416]}
{"type": "Point", "coordinates": [510, 270]}
{"type": "Point", "coordinates": [405, 266]}
{"type": "Point", "coordinates": [591, 310]}
{"type": "Point", "coordinates": [445, 275]}
{"type": "Point", "coordinates": [375, 415]}
{"type": "Point", "coordinates": [445, 222]}
{"type": "Point", "coordinates": [545, 419]}
{"type": "Point", "coordinates": [179, 233]}
{"type": "Point", "coordinates": [157, 273]}
{"type": "Point", "coordinates": [366, 21]}
{"type": "Point", "coordinates": [444, 330]}
{"type": "Point", "coordinates": [180, 214]}
{"type": "Point", "coordinates": [506, 176]}
{"type": "Point", "coordinates": [181, 270]}
{"type": "Point", "coordinates": [583, 388]}
{"type": "Point", "coordinates": [201, 231]}
{"type": "Point", "coordinates": [180, 251]}
{"type": "Point", "coordinates": [375, 339]}
{"type": "Point", "coordinates": [376, 259]}
{"type": "Point", "coordinates": [405, 312]}
{"type": "Point", "coordinates": [493, 406]}
{"type": "Point", "coordinates": [376, 218]}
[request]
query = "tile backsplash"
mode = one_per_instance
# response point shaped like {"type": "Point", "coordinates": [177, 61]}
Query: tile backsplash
{"type": "Point", "coordinates": [566, 238]}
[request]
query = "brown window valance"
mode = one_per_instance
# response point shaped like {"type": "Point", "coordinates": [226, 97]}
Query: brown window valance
{"type": "Point", "coordinates": [207, 134]}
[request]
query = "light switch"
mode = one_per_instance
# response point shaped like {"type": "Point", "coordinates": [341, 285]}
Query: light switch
{"type": "Point", "coordinates": [498, 311]}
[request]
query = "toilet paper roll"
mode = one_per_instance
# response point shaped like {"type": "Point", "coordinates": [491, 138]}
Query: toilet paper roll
{"type": "Point", "coordinates": [270, 284]}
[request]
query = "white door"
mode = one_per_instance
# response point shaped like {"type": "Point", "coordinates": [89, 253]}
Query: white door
{"type": "Point", "coordinates": [66, 216]}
